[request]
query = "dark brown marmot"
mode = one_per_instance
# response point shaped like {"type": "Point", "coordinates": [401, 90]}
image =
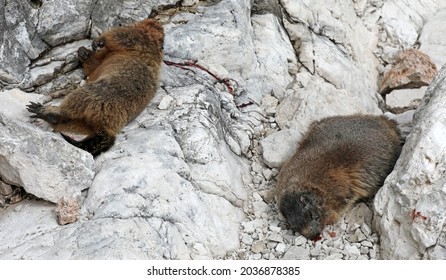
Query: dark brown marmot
{"type": "Point", "coordinates": [123, 76]}
{"type": "Point", "coordinates": [339, 161]}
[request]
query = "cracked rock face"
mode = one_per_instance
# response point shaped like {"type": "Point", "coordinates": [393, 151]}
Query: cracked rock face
{"type": "Point", "coordinates": [193, 176]}
{"type": "Point", "coordinates": [411, 206]}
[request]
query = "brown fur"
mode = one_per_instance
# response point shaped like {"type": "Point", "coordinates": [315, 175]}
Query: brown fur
{"type": "Point", "coordinates": [339, 161]}
{"type": "Point", "coordinates": [123, 76]}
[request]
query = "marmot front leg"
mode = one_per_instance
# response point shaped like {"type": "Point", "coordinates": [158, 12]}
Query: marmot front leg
{"type": "Point", "coordinates": [90, 60]}
{"type": "Point", "coordinates": [84, 54]}
{"type": "Point", "coordinates": [98, 43]}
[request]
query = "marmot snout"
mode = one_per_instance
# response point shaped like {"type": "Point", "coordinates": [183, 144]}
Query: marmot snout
{"type": "Point", "coordinates": [339, 161]}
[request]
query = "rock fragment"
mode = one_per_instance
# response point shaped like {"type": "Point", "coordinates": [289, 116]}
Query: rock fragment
{"type": "Point", "coordinates": [67, 211]}
{"type": "Point", "coordinates": [412, 69]}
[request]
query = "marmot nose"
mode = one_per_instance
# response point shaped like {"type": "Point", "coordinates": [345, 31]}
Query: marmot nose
{"type": "Point", "coordinates": [311, 232]}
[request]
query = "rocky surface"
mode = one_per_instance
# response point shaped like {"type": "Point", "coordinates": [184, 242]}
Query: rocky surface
{"type": "Point", "coordinates": [411, 206]}
{"type": "Point", "coordinates": [193, 176]}
{"type": "Point", "coordinates": [28, 158]}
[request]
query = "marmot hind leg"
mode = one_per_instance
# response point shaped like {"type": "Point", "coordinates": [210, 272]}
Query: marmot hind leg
{"type": "Point", "coordinates": [94, 144]}
{"type": "Point", "coordinates": [50, 114]}
{"type": "Point", "coordinates": [58, 120]}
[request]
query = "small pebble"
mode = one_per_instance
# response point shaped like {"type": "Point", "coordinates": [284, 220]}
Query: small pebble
{"type": "Point", "coordinates": [274, 236]}
{"type": "Point", "coordinates": [247, 239]}
{"type": "Point", "coordinates": [5, 189]}
{"type": "Point", "coordinates": [165, 102]}
{"type": "Point", "coordinates": [335, 256]}
{"type": "Point", "coordinates": [255, 256]}
{"type": "Point", "coordinates": [300, 240]}
{"type": "Point", "coordinates": [367, 244]}
{"type": "Point", "coordinates": [267, 173]}
{"type": "Point", "coordinates": [280, 248]}
{"type": "Point", "coordinates": [352, 250]}
{"type": "Point", "coordinates": [275, 229]}
{"type": "Point", "coordinates": [258, 247]}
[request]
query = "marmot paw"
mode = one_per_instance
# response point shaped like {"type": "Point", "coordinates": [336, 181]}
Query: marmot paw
{"type": "Point", "coordinates": [83, 53]}
{"type": "Point", "coordinates": [38, 110]}
{"type": "Point", "coordinates": [98, 43]}
{"type": "Point", "coordinates": [34, 108]}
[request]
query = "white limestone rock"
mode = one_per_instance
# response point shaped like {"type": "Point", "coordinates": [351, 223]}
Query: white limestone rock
{"type": "Point", "coordinates": [433, 37]}
{"type": "Point", "coordinates": [404, 97]}
{"type": "Point", "coordinates": [410, 208]}
{"type": "Point", "coordinates": [337, 44]}
{"type": "Point", "coordinates": [274, 55]}
{"type": "Point", "coordinates": [402, 23]}
{"type": "Point", "coordinates": [14, 103]}
{"type": "Point", "coordinates": [41, 162]}
{"type": "Point", "coordinates": [279, 146]}
{"type": "Point", "coordinates": [165, 102]}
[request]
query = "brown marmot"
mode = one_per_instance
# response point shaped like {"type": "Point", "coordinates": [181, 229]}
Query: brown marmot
{"type": "Point", "coordinates": [339, 161]}
{"type": "Point", "coordinates": [123, 76]}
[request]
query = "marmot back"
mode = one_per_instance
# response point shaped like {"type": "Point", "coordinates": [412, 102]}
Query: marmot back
{"type": "Point", "coordinates": [123, 72]}
{"type": "Point", "coordinates": [339, 161]}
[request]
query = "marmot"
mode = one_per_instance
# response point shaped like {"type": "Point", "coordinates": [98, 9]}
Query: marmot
{"type": "Point", "coordinates": [339, 161]}
{"type": "Point", "coordinates": [123, 76]}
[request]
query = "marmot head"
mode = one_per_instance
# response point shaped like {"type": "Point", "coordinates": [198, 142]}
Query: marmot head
{"type": "Point", "coordinates": [303, 211]}
{"type": "Point", "coordinates": [153, 29]}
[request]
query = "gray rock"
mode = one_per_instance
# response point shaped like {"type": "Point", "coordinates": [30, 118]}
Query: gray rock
{"type": "Point", "coordinates": [352, 251]}
{"type": "Point", "coordinates": [302, 107]}
{"type": "Point", "coordinates": [335, 256]}
{"type": "Point", "coordinates": [255, 257]}
{"type": "Point", "coordinates": [297, 253]}
{"type": "Point", "coordinates": [251, 226]}
{"type": "Point", "coordinates": [404, 97]}
{"type": "Point", "coordinates": [280, 248]}
{"type": "Point", "coordinates": [404, 122]}
{"type": "Point", "coordinates": [5, 189]}
{"type": "Point", "coordinates": [61, 22]}
{"type": "Point", "coordinates": [359, 215]}
{"type": "Point", "coordinates": [367, 244]}
{"type": "Point", "coordinates": [247, 239]}
{"type": "Point", "coordinates": [258, 247]}
{"type": "Point", "coordinates": [410, 210]}
{"type": "Point", "coordinates": [432, 37]}
{"type": "Point", "coordinates": [300, 240]}
{"type": "Point", "coordinates": [403, 21]}
{"type": "Point", "coordinates": [275, 229]}
{"type": "Point", "coordinates": [14, 102]}
{"type": "Point", "coordinates": [107, 14]}
{"type": "Point", "coordinates": [279, 146]}
{"type": "Point", "coordinates": [41, 162]}
{"type": "Point", "coordinates": [269, 104]}
{"type": "Point", "coordinates": [165, 102]}
{"type": "Point", "coordinates": [276, 237]}
{"type": "Point", "coordinates": [357, 236]}
{"type": "Point", "coordinates": [18, 41]}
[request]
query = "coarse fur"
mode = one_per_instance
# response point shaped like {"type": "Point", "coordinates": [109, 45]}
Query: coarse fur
{"type": "Point", "coordinates": [339, 161]}
{"type": "Point", "coordinates": [123, 72]}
